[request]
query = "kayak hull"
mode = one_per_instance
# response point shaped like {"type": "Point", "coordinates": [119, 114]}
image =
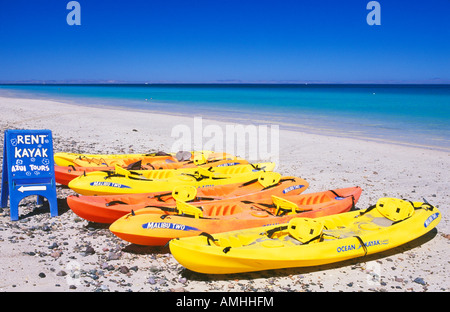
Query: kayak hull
{"type": "Point", "coordinates": [249, 250]}
{"type": "Point", "coordinates": [144, 227]}
{"type": "Point", "coordinates": [146, 181]}
{"type": "Point", "coordinates": [65, 174]}
{"type": "Point", "coordinates": [109, 208]}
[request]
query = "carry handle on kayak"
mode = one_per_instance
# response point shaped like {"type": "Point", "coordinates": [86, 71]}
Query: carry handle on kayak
{"type": "Point", "coordinates": [188, 209]}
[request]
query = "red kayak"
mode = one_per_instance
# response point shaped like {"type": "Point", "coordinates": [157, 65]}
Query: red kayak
{"type": "Point", "coordinates": [152, 228]}
{"type": "Point", "coordinates": [65, 174]}
{"type": "Point", "coordinates": [108, 208]}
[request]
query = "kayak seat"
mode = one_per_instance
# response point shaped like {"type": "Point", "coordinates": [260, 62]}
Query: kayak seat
{"type": "Point", "coordinates": [312, 200]}
{"type": "Point", "coordinates": [159, 174]}
{"type": "Point", "coordinates": [305, 230]}
{"type": "Point", "coordinates": [224, 210]}
{"type": "Point", "coordinates": [218, 190]}
{"type": "Point", "coordinates": [125, 200]}
{"type": "Point", "coordinates": [269, 178]}
{"type": "Point", "coordinates": [382, 222]}
{"type": "Point", "coordinates": [184, 193]}
{"type": "Point", "coordinates": [395, 209]}
{"type": "Point", "coordinates": [188, 209]}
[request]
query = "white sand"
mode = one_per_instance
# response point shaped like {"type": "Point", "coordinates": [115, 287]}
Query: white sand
{"type": "Point", "coordinates": [381, 169]}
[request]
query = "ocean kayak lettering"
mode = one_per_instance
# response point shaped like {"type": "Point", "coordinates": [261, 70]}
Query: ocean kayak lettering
{"type": "Point", "coordinates": [291, 188]}
{"type": "Point", "coordinates": [430, 219]}
{"type": "Point", "coordinates": [168, 226]}
{"type": "Point", "coordinates": [367, 244]}
{"type": "Point", "coordinates": [110, 184]}
{"type": "Point", "coordinates": [346, 248]}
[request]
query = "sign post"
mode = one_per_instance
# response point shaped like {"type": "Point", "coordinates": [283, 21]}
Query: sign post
{"type": "Point", "coordinates": [28, 169]}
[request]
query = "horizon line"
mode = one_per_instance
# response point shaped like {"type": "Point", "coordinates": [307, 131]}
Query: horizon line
{"type": "Point", "coordinates": [435, 81]}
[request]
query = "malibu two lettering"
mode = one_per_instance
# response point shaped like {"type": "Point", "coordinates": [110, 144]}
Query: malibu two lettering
{"type": "Point", "coordinates": [168, 226]}
{"type": "Point", "coordinates": [110, 184]}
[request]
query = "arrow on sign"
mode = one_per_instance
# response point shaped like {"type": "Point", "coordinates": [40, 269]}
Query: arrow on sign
{"type": "Point", "coordinates": [32, 188]}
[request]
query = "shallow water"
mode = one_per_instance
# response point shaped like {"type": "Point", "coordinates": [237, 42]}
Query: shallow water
{"type": "Point", "coordinates": [408, 114]}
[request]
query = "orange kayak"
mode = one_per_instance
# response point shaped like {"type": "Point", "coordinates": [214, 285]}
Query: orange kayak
{"type": "Point", "coordinates": [109, 208]}
{"type": "Point", "coordinates": [123, 162]}
{"type": "Point", "coordinates": [143, 227]}
{"type": "Point", "coordinates": [65, 174]}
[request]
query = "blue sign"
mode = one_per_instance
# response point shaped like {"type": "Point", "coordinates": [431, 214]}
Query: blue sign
{"type": "Point", "coordinates": [28, 169]}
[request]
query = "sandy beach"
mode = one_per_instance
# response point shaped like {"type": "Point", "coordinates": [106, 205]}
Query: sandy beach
{"type": "Point", "coordinates": [69, 254]}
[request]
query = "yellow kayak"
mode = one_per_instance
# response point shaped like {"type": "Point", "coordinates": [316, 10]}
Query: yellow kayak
{"type": "Point", "coordinates": [71, 159]}
{"type": "Point", "coordinates": [122, 181]}
{"type": "Point", "coordinates": [308, 242]}
{"type": "Point", "coordinates": [93, 160]}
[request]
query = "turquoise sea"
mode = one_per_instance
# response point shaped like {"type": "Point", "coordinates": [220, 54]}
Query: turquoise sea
{"type": "Point", "coordinates": [406, 114]}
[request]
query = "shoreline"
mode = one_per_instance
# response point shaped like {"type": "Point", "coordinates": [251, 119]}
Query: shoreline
{"type": "Point", "coordinates": [315, 129]}
{"type": "Point", "coordinates": [40, 254]}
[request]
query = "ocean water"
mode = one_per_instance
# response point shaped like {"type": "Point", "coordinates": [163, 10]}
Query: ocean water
{"type": "Point", "coordinates": [416, 115]}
